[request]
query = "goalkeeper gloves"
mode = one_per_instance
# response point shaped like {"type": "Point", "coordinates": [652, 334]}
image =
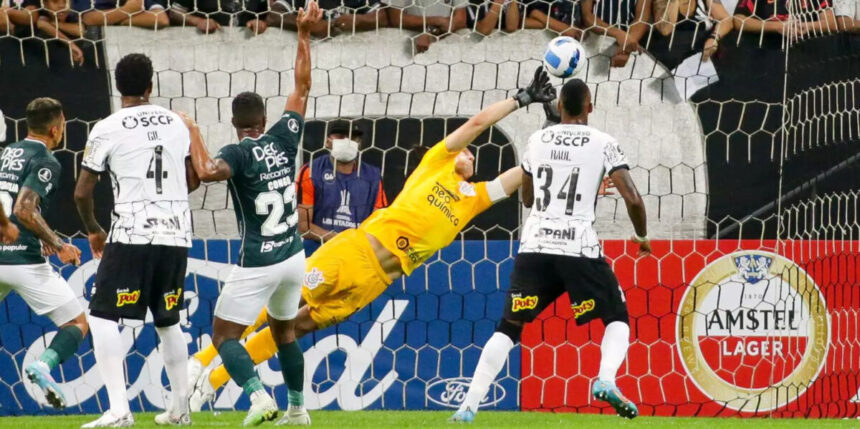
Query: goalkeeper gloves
{"type": "Point", "coordinates": [540, 90]}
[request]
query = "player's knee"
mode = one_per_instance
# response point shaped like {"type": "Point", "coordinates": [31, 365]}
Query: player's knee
{"type": "Point", "coordinates": [618, 316]}
{"type": "Point", "coordinates": [512, 328]}
{"type": "Point", "coordinates": [79, 322]}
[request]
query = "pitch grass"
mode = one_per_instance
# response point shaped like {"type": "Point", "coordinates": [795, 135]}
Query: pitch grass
{"type": "Point", "coordinates": [438, 419]}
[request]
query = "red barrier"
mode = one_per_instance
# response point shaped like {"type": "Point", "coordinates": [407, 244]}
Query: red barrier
{"type": "Point", "coordinates": [717, 328]}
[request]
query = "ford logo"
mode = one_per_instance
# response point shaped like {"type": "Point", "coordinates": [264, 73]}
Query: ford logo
{"type": "Point", "coordinates": [451, 392]}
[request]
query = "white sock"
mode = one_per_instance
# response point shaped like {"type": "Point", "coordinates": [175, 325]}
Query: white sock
{"type": "Point", "coordinates": [174, 352]}
{"type": "Point", "coordinates": [492, 360]}
{"type": "Point", "coordinates": [110, 357]}
{"type": "Point", "coordinates": [613, 350]}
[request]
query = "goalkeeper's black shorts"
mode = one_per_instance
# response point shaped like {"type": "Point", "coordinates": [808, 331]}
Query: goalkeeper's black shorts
{"type": "Point", "coordinates": [539, 279]}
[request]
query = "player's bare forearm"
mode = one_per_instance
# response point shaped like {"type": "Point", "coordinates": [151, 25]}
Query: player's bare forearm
{"type": "Point", "coordinates": [466, 133]}
{"type": "Point", "coordinates": [192, 180]}
{"type": "Point", "coordinates": [27, 212]}
{"type": "Point", "coordinates": [528, 195]}
{"type": "Point", "coordinates": [207, 170]}
{"type": "Point", "coordinates": [298, 100]}
{"type": "Point", "coordinates": [4, 219]}
{"type": "Point", "coordinates": [635, 206]}
{"type": "Point", "coordinates": [512, 179]}
{"type": "Point", "coordinates": [310, 230]}
{"type": "Point", "coordinates": [84, 201]}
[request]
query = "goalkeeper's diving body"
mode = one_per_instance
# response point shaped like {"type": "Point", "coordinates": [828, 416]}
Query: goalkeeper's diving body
{"type": "Point", "coordinates": [436, 203]}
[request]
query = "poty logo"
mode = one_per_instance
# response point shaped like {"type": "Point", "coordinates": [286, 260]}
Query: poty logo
{"type": "Point", "coordinates": [451, 392]}
{"type": "Point", "coordinates": [171, 299]}
{"type": "Point", "coordinates": [123, 298]}
{"type": "Point", "coordinates": [314, 278]}
{"type": "Point", "coordinates": [753, 331]}
{"type": "Point", "coordinates": [582, 308]}
{"type": "Point", "coordinates": [524, 303]}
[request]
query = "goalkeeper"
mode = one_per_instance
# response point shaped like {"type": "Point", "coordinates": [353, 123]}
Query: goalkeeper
{"type": "Point", "coordinates": [436, 203]}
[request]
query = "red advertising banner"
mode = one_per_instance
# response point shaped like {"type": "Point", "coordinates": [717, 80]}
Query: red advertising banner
{"type": "Point", "coordinates": [718, 328]}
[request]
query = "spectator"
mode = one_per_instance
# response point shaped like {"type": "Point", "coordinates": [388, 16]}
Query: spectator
{"type": "Point", "coordinates": [138, 13]}
{"type": "Point", "coordinates": [340, 16]}
{"type": "Point", "coordinates": [688, 26]}
{"type": "Point", "coordinates": [338, 192]}
{"type": "Point", "coordinates": [847, 15]}
{"type": "Point", "coordinates": [52, 18]}
{"type": "Point", "coordinates": [486, 16]}
{"type": "Point", "coordinates": [433, 18]}
{"type": "Point", "coordinates": [209, 15]}
{"type": "Point", "coordinates": [561, 16]}
{"type": "Point", "coordinates": [771, 16]}
{"type": "Point", "coordinates": [627, 21]}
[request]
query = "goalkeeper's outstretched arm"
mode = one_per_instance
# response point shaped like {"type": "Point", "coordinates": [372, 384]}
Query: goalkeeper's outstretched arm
{"type": "Point", "coordinates": [539, 91]}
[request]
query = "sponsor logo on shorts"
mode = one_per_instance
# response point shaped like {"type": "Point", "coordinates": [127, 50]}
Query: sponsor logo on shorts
{"type": "Point", "coordinates": [314, 278]}
{"type": "Point", "coordinates": [524, 303]}
{"type": "Point", "coordinates": [582, 308]}
{"type": "Point", "coordinates": [171, 299]}
{"type": "Point", "coordinates": [451, 392]}
{"type": "Point", "coordinates": [123, 298]}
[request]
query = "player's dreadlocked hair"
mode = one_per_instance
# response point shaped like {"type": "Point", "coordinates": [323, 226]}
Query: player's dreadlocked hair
{"type": "Point", "coordinates": [42, 114]}
{"type": "Point", "coordinates": [248, 110]}
{"type": "Point", "coordinates": [133, 75]}
{"type": "Point", "coordinates": [573, 95]}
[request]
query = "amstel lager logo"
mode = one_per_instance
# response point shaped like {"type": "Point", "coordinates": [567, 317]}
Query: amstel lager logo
{"type": "Point", "coordinates": [753, 331]}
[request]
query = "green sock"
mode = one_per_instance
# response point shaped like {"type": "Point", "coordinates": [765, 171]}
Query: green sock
{"type": "Point", "coordinates": [64, 344]}
{"type": "Point", "coordinates": [239, 365]}
{"type": "Point", "coordinates": [293, 367]}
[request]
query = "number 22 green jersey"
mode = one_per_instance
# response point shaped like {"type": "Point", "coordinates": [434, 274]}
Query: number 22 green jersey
{"type": "Point", "coordinates": [263, 192]}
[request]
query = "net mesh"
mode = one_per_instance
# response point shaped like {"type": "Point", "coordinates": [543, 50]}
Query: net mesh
{"type": "Point", "coordinates": [685, 128]}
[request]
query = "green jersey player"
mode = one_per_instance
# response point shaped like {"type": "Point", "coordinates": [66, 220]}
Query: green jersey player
{"type": "Point", "coordinates": [260, 171]}
{"type": "Point", "coordinates": [29, 176]}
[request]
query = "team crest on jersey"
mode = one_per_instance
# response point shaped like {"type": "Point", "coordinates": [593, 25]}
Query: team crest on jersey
{"type": "Point", "coordinates": [314, 278]}
{"type": "Point", "coordinates": [45, 175]}
{"type": "Point", "coordinates": [125, 297]}
{"type": "Point", "coordinates": [293, 125]}
{"type": "Point", "coordinates": [467, 189]}
{"type": "Point", "coordinates": [172, 299]}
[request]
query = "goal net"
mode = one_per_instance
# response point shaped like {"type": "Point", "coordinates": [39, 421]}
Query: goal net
{"type": "Point", "coordinates": [747, 163]}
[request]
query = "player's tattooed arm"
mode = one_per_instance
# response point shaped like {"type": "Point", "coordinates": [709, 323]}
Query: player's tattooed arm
{"type": "Point", "coordinates": [8, 230]}
{"type": "Point", "coordinates": [27, 212]}
{"type": "Point", "coordinates": [84, 201]}
{"type": "Point", "coordinates": [635, 207]}
{"type": "Point", "coordinates": [298, 99]}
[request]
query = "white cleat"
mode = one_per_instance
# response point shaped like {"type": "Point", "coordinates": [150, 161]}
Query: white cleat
{"type": "Point", "coordinates": [202, 394]}
{"type": "Point", "coordinates": [195, 369]}
{"type": "Point", "coordinates": [108, 420]}
{"type": "Point", "coordinates": [263, 408]}
{"type": "Point", "coordinates": [168, 419]}
{"type": "Point", "coordinates": [295, 416]}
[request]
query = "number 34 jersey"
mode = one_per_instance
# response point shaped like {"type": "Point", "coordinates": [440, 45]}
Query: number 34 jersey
{"type": "Point", "coordinates": [144, 148]}
{"type": "Point", "coordinates": [263, 192]}
{"type": "Point", "coordinates": [567, 163]}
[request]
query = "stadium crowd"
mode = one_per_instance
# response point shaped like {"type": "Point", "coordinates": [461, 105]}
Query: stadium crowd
{"type": "Point", "coordinates": [669, 29]}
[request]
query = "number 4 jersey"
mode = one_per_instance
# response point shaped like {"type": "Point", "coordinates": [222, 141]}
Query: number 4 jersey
{"type": "Point", "coordinates": [567, 163]}
{"type": "Point", "coordinates": [264, 196]}
{"type": "Point", "coordinates": [144, 148]}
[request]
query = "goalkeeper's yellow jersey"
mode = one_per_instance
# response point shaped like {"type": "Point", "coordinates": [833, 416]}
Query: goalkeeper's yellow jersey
{"type": "Point", "coordinates": [433, 207]}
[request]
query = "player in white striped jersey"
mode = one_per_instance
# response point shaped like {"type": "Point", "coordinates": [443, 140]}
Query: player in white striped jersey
{"type": "Point", "coordinates": [564, 167]}
{"type": "Point", "coordinates": [145, 148]}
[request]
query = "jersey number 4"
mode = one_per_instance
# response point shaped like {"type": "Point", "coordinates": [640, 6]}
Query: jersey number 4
{"type": "Point", "coordinates": [567, 193]}
{"type": "Point", "coordinates": [273, 204]}
{"type": "Point", "coordinates": [156, 168]}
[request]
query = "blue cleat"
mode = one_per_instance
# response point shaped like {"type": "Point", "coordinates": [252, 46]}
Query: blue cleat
{"type": "Point", "coordinates": [465, 416]}
{"type": "Point", "coordinates": [608, 392]}
{"type": "Point", "coordinates": [38, 374]}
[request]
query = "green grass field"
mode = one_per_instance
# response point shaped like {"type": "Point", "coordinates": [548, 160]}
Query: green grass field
{"type": "Point", "coordinates": [437, 419]}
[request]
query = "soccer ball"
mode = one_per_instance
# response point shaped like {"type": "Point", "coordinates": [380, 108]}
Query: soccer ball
{"type": "Point", "coordinates": [564, 57]}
